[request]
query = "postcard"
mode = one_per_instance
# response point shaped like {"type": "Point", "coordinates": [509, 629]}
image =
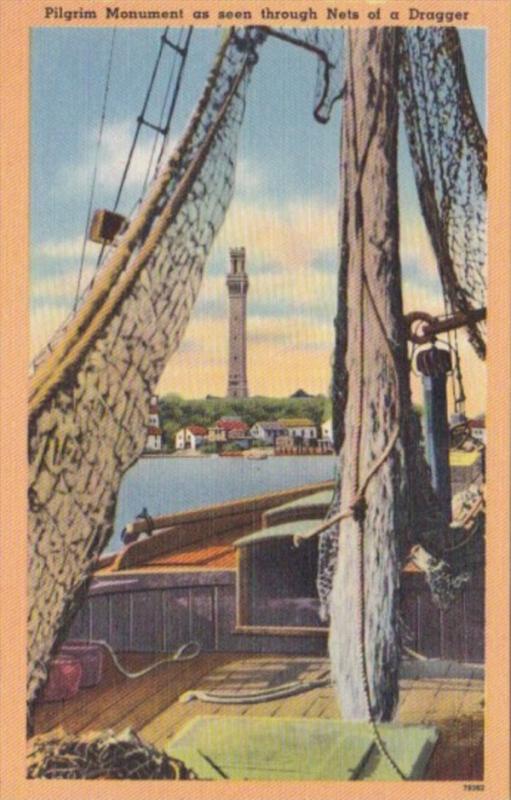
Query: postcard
{"type": "Point", "coordinates": [255, 263]}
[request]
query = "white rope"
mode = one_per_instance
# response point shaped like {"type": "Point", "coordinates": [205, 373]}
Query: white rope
{"type": "Point", "coordinates": [177, 656]}
{"type": "Point", "coordinates": [263, 696]}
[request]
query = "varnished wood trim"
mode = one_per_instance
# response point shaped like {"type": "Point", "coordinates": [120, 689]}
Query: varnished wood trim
{"type": "Point", "coordinates": [277, 630]}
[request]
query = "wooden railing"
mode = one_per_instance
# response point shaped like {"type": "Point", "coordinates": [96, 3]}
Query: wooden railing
{"type": "Point", "coordinates": [170, 532]}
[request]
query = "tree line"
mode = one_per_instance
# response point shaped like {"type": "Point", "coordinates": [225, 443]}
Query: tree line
{"type": "Point", "coordinates": [177, 412]}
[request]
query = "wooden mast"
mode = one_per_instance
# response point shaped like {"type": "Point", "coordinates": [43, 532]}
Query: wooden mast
{"type": "Point", "coordinates": [364, 638]}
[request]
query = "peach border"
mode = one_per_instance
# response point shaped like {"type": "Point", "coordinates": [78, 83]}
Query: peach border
{"type": "Point", "coordinates": [17, 16]}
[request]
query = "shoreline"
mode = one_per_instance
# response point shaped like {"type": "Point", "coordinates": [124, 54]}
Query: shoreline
{"type": "Point", "coordinates": [260, 453]}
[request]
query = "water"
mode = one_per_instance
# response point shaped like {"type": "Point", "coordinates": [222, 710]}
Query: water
{"type": "Point", "coordinates": [168, 485]}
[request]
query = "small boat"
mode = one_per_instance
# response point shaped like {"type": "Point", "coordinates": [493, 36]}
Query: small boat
{"type": "Point", "coordinates": [256, 456]}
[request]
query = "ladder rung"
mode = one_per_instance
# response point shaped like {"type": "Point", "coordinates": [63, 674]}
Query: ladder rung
{"type": "Point", "coordinates": [156, 128]}
{"type": "Point", "coordinates": [180, 50]}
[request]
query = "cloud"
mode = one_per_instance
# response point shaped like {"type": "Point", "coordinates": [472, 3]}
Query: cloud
{"type": "Point", "coordinates": [288, 236]}
{"type": "Point", "coordinates": [417, 254]}
{"type": "Point", "coordinates": [44, 321]}
{"type": "Point", "coordinates": [420, 298]}
{"type": "Point", "coordinates": [60, 287]}
{"type": "Point", "coordinates": [250, 177]}
{"type": "Point", "coordinates": [115, 147]}
{"type": "Point", "coordinates": [58, 249]}
{"type": "Point", "coordinates": [283, 353]}
{"type": "Point", "coordinates": [292, 266]}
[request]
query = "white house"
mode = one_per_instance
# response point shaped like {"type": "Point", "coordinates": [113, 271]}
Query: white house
{"type": "Point", "coordinates": [267, 432]}
{"type": "Point", "coordinates": [300, 429]}
{"type": "Point", "coordinates": [153, 429]}
{"type": "Point", "coordinates": [191, 438]}
{"type": "Point", "coordinates": [327, 431]}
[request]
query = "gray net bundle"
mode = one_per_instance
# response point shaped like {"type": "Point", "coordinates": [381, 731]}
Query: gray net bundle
{"type": "Point", "coordinates": [91, 389]}
{"type": "Point", "coordinates": [448, 149]}
{"type": "Point", "coordinates": [101, 755]}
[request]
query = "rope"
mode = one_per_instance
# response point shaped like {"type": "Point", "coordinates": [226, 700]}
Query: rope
{"type": "Point", "coordinates": [179, 655]}
{"type": "Point", "coordinates": [95, 171]}
{"type": "Point", "coordinates": [263, 696]}
{"type": "Point", "coordinates": [464, 541]}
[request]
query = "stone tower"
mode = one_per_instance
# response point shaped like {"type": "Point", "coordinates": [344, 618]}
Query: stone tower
{"type": "Point", "coordinates": [237, 286]}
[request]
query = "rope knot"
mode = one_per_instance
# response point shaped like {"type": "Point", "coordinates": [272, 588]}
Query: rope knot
{"type": "Point", "coordinates": [359, 509]}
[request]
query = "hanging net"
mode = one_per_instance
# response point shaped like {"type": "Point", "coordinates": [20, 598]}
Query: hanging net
{"type": "Point", "coordinates": [92, 383]}
{"type": "Point", "coordinates": [328, 45]}
{"type": "Point", "coordinates": [448, 149]}
{"type": "Point", "coordinates": [91, 388]}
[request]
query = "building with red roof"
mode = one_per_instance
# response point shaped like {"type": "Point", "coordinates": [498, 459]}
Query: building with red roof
{"type": "Point", "coordinates": [191, 438]}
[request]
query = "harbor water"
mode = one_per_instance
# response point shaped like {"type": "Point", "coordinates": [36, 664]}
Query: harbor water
{"type": "Point", "coordinates": [168, 485]}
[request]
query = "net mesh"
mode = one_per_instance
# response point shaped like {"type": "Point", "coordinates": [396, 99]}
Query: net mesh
{"type": "Point", "coordinates": [448, 149]}
{"type": "Point", "coordinates": [92, 384]}
{"type": "Point", "coordinates": [101, 755]}
{"type": "Point", "coordinates": [91, 389]}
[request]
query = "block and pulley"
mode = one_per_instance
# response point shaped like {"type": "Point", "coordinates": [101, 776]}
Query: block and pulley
{"type": "Point", "coordinates": [433, 361]}
{"type": "Point", "coordinates": [105, 226]}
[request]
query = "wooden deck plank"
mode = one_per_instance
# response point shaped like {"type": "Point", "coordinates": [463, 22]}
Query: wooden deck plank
{"type": "Point", "coordinates": [473, 703]}
{"type": "Point", "coordinates": [147, 701]}
{"type": "Point", "coordinates": [50, 715]}
{"type": "Point", "coordinates": [303, 670]}
{"type": "Point", "coordinates": [175, 714]}
{"type": "Point", "coordinates": [150, 704]}
{"type": "Point", "coordinates": [108, 706]}
{"type": "Point", "coordinates": [241, 674]}
{"type": "Point", "coordinates": [417, 704]}
{"type": "Point", "coordinates": [459, 754]}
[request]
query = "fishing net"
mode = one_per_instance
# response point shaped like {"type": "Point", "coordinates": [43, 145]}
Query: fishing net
{"type": "Point", "coordinates": [101, 755]}
{"type": "Point", "coordinates": [328, 549]}
{"type": "Point", "coordinates": [448, 149]}
{"type": "Point", "coordinates": [328, 46]}
{"type": "Point", "coordinates": [91, 388]}
{"type": "Point", "coordinates": [92, 384]}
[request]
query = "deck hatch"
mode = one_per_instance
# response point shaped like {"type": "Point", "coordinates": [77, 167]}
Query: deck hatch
{"type": "Point", "coordinates": [266, 748]}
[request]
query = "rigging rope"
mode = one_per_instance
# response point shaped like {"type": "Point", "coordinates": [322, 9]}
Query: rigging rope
{"type": "Point", "coordinates": [162, 113]}
{"type": "Point", "coordinates": [94, 174]}
{"type": "Point", "coordinates": [172, 107]}
{"type": "Point", "coordinates": [458, 391]}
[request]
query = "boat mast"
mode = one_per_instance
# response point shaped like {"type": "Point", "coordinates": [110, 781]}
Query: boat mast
{"type": "Point", "coordinates": [371, 362]}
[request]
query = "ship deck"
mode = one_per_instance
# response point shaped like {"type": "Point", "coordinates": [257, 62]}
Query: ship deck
{"type": "Point", "coordinates": [444, 694]}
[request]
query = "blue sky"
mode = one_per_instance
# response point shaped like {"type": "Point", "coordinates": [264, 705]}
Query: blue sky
{"type": "Point", "coordinates": [284, 211]}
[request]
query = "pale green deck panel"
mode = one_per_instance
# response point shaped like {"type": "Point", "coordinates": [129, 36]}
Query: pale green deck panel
{"type": "Point", "coordinates": [316, 499]}
{"type": "Point", "coordinates": [277, 532]}
{"type": "Point", "coordinates": [268, 748]}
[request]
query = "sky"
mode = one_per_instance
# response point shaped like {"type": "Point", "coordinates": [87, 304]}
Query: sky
{"type": "Point", "coordinates": [284, 211]}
